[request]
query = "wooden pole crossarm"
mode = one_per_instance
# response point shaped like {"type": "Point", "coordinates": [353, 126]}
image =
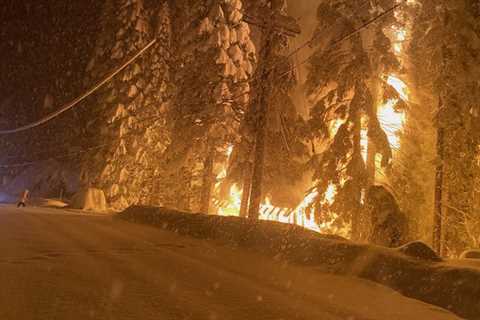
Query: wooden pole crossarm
{"type": "Point", "coordinates": [282, 24]}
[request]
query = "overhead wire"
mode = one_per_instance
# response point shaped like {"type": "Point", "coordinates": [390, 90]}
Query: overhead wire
{"type": "Point", "coordinates": [24, 164]}
{"type": "Point", "coordinates": [68, 155]}
{"type": "Point", "coordinates": [77, 100]}
{"type": "Point", "coordinates": [334, 43]}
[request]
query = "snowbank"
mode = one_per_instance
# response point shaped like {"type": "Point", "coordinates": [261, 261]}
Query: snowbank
{"type": "Point", "coordinates": [419, 250]}
{"type": "Point", "coordinates": [47, 203]}
{"type": "Point", "coordinates": [471, 254]}
{"type": "Point", "coordinates": [89, 200]}
{"type": "Point", "coordinates": [450, 287]}
{"type": "Point", "coordinates": [37, 202]}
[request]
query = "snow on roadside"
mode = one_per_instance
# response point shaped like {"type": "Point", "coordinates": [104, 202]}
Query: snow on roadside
{"type": "Point", "coordinates": [89, 200]}
{"type": "Point", "coordinates": [154, 271]}
{"type": "Point", "coordinates": [362, 299]}
{"type": "Point", "coordinates": [450, 287]}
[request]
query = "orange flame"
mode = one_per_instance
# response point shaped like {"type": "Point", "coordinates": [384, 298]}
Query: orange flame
{"type": "Point", "coordinates": [305, 214]}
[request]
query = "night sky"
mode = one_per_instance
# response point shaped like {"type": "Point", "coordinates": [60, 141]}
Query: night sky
{"type": "Point", "coordinates": [44, 48]}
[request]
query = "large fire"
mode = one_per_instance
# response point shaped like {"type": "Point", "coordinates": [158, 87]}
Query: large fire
{"type": "Point", "coordinates": [304, 214]}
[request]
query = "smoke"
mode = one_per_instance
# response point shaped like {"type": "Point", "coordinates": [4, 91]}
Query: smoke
{"type": "Point", "coordinates": [305, 11]}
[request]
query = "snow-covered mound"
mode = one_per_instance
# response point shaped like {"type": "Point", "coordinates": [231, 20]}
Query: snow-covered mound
{"type": "Point", "coordinates": [471, 254]}
{"type": "Point", "coordinates": [89, 200]}
{"type": "Point", "coordinates": [419, 250]}
{"type": "Point", "coordinates": [47, 179]}
{"type": "Point", "coordinates": [47, 203]}
{"type": "Point", "coordinates": [454, 288]}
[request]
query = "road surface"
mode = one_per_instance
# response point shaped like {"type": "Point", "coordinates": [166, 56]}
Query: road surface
{"type": "Point", "coordinates": [55, 264]}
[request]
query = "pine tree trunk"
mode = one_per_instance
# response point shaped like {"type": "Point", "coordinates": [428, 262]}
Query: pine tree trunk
{"type": "Point", "coordinates": [438, 213]}
{"type": "Point", "coordinates": [257, 174]}
{"type": "Point", "coordinates": [261, 123]}
{"type": "Point", "coordinates": [357, 192]}
{"type": "Point", "coordinates": [247, 185]}
{"type": "Point", "coordinates": [207, 184]}
{"type": "Point", "coordinates": [372, 152]}
{"type": "Point", "coordinates": [186, 201]}
{"type": "Point", "coordinates": [371, 163]}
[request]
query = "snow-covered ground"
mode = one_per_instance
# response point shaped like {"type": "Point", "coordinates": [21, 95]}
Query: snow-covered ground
{"type": "Point", "coordinates": [58, 264]}
{"type": "Point", "coordinates": [469, 263]}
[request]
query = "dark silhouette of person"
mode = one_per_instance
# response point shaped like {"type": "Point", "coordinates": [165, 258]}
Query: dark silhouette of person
{"type": "Point", "coordinates": [23, 199]}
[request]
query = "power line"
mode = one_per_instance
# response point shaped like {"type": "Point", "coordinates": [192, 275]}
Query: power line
{"type": "Point", "coordinates": [66, 156]}
{"type": "Point", "coordinates": [71, 154]}
{"type": "Point", "coordinates": [336, 42]}
{"type": "Point", "coordinates": [358, 30]}
{"type": "Point", "coordinates": [316, 36]}
{"type": "Point", "coordinates": [24, 164]}
{"type": "Point", "coordinates": [73, 103]}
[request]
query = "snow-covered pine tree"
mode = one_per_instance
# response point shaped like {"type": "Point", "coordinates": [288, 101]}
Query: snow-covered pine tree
{"type": "Point", "coordinates": [128, 117]}
{"type": "Point", "coordinates": [343, 84]}
{"type": "Point", "coordinates": [448, 41]}
{"type": "Point", "coordinates": [412, 175]}
{"type": "Point", "coordinates": [214, 62]}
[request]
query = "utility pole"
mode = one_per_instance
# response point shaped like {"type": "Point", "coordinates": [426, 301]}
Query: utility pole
{"type": "Point", "coordinates": [261, 110]}
{"type": "Point", "coordinates": [274, 24]}
{"type": "Point", "coordinates": [247, 184]}
{"type": "Point", "coordinates": [438, 215]}
{"type": "Point", "coordinates": [208, 178]}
